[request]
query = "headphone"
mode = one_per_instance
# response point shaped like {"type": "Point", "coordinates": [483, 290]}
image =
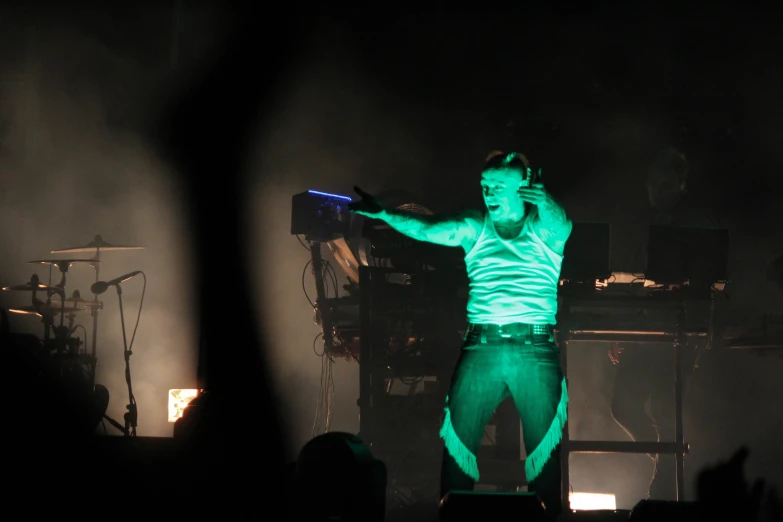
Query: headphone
{"type": "Point", "coordinates": [533, 177]}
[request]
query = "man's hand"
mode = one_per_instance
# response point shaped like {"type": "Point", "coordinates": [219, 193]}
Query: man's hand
{"type": "Point", "coordinates": [368, 206]}
{"type": "Point", "coordinates": [534, 195]}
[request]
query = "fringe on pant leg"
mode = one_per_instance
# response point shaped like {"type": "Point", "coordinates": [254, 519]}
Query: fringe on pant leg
{"type": "Point", "coordinates": [465, 459]}
{"type": "Point", "coordinates": [535, 462]}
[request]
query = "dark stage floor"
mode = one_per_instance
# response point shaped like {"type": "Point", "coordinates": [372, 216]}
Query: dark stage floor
{"type": "Point", "coordinates": [154, 461]}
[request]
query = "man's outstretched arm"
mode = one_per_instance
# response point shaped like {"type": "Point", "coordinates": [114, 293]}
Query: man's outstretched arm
{"type": "Point", "coordinates": [447, 231]}
{"type": "Point", "coordinates": [460, 230]}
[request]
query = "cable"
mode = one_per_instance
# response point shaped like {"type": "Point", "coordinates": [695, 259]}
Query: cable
{"type": "Point", "coordinates": [304, 289]}
{"type": "Point", "coordinates": [302, 243]}
{"type": "Point", "coordinates": [319, 401]}
{"type": "Point", "coordinates": [327, 273]}
{"type": "Point", "coordinates": [314, 350]}
{"type": "Point", "coordinates": [326, 277]}
{"type": "Point", "coordinates": [333, 276]}
{"type": "Point", "coordinates": [138, 314]}
{"type": "Point", "coordinates": [326, 268]}
{"type": "Point", "coordinates": [328, 363]}
{"type": "Point", "coordinates": [325, 403]}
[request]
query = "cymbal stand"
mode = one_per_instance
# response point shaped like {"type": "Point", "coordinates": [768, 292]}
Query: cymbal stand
{"type": "Point", "coordinates": [47, 319]}
{"type": "Point", "coordinates": [36, 303]}
{"type": "Point", "coordinates": [44, 309]}
{"type": "Point", "coordinates": [71, 328]}
{"type": "Point", "coordinates": [63, 267]}
{"type": "Point", "coordinates": [61, 333]}
{"type": "Point", "coordinates": [94, 314]}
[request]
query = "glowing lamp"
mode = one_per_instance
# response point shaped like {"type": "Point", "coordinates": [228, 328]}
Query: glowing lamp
{"type": "Point", "coordinates": [592, 501]}
{"type": "Point", "coordinates": [328, 195]}
{"type": "Point", "coordinates": [178, 401]}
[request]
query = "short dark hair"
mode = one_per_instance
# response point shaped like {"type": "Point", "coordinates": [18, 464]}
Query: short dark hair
{"type": "Point", "coordinates": [506, 160]}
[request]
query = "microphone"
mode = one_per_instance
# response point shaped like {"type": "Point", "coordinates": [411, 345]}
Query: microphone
{"type": "Point", "coordinates": [101, 286]}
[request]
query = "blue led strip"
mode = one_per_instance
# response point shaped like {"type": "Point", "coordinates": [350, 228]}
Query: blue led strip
{"type": "Point", "coordinates": [317, 193]}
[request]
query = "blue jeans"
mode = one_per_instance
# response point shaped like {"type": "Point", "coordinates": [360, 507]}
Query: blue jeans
{"type": "Point", "coordinates": [488, 371]}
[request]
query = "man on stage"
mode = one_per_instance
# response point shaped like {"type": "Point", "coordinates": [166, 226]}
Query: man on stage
{"type": "Point", "coordinates": [513, 255]}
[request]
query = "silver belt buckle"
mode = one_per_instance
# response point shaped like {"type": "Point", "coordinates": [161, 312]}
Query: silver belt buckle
{"type": "Point", "coordinates": [503, 334]}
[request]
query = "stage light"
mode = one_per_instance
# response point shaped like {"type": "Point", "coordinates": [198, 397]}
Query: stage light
{"type": "Point", "coordinates": [592, 501]}
{"type": "Point", "coordinates": [326, 194]}
{"type": "Point", "coordinates": [178, 401]}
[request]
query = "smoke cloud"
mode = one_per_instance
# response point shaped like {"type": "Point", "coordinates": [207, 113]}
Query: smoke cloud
{"type": "Point", "coordinates": [332, 128]}
{"type": "Point", "coordinates": [69, 175]}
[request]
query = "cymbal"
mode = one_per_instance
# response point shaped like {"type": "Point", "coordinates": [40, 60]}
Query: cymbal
{"type": "Point", "coordinates": [77, 301]}
{"type": "Point", "coordinates": [32, 310]}
{"type": "Point", "coordinates": [57, 262]}
{"type": "Point", "coordinates": [97, 244]}
{"type": "Point", "coordinates": [29, 287]}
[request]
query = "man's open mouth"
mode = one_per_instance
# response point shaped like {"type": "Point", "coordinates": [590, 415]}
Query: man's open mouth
{"type": "Point", "coordinates": [493, 207]}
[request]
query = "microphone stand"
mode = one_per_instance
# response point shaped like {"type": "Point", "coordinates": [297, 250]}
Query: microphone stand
{"type": "Point", "coordinates": [131, 416]}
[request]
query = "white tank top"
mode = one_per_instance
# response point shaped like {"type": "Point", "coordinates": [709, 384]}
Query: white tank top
{"type": "Point", "coordinates": [512, 281]}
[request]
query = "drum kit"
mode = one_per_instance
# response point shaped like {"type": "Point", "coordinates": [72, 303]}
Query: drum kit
{"type": "Point", "coordinates": [59, 313]}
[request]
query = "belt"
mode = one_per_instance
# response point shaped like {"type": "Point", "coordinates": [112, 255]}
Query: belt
{"type": "Point", "coordinates": [513, 330]}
